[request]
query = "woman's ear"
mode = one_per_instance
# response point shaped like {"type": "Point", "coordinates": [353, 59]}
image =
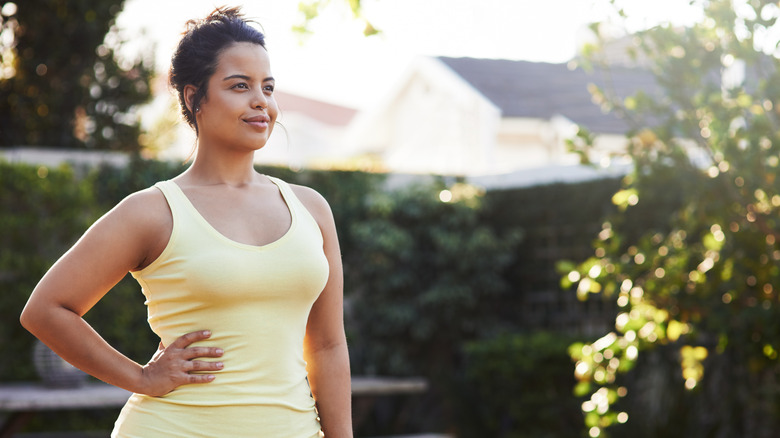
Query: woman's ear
{"type": "Point", "coordinates": [189, 96]}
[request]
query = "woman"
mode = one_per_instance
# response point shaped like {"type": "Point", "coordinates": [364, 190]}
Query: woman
{"type": "Point", "coordinates": [241, 272]}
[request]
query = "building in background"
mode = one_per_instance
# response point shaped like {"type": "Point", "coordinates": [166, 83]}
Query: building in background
{"type": "Point", "coordinates": [492, 118]}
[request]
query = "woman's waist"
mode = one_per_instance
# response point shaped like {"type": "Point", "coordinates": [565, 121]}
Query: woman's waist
{"type": "Point", "coordinates": [255, 368]}
{"type": "Point", "coordinates": [252, 362]}
{"type": "Point", "coordinates": [232, 390]}
{"type": "Point", "coordinates": [256, 333]}
{"type": "Point", "coordinates": [251, 344]}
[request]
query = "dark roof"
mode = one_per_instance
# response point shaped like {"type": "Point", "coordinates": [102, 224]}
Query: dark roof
{"type": "Point", "coordinates": [542, 90]}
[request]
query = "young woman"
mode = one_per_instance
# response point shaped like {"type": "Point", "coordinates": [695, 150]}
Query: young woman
{"type": "Point", "coordinates": [241, 272]}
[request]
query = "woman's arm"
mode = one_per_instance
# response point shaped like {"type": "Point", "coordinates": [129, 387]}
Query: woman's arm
{"type": "Point", "coordinates": [325, 347]}
{"type": "Point", "coordinates": [128, 237]}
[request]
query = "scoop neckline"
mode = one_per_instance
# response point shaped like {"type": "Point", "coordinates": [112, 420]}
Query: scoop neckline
{"type": "Point", "coordinates": [219, 235]}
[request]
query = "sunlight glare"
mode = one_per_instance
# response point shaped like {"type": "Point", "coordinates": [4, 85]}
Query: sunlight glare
{"type": "Point", "coordinates": [9, 9]}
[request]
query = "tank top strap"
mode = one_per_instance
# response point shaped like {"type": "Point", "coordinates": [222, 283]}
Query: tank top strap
{"type": "Point", "coordinates": [302, 217]}
{"type": "Point", "coordinates": [177, 201]}
{"type": "Point", "coordinates": [288, 194]}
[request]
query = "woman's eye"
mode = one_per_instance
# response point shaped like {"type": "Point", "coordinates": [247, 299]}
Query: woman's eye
{"type": "Point", "coordinates": [269, 88]}
{"type": "Point", "coordinates": [241, 85]}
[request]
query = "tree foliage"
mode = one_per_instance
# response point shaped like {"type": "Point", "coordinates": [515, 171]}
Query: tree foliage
{"type": "Point", "coordinates": [61, 82]}
{"type": "Point", "coordinates": [311, 9]}
{"type": "Point", "coordinates": [700, 284]}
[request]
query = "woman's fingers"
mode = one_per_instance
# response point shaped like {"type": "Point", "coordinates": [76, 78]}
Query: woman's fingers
{"type": "Point", "coordinates": [188, 353]}
{"type": "Point", "coordinates": [184, 341]}
{"type": "Point", "coordinates": [175, 365]}
{"type": "Point", "coordinates": [199, 378]}
{"type": "Point", "coordinates": [194, 352]}
{"type": "Point", "coordinates": [199, 365]}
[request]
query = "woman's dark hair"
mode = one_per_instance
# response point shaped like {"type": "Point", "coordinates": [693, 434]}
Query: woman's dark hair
{"type": "Point", "coordinates": [195, 59]}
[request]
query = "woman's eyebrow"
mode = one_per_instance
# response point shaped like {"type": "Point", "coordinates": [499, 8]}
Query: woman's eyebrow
{"type": "Point", "coordinates": [246, 78]}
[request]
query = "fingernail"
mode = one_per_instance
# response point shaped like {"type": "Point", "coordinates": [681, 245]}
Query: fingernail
{"type": "Point", "coordinates": [220, 365]}
{"type": "Point", "coordinates": [220, 351]}
{"type": "Point", "coordinates": [206, 332]}
{"type": "Point", "coordinates": [210, 377]}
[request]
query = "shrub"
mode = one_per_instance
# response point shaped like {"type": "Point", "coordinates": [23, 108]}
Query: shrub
{"type": "Point", "coordinates": [42, 212]}
{"type": "Point", "coordinates": [518, 385]}
{"type": "Point", "coordinates": [425, 277]}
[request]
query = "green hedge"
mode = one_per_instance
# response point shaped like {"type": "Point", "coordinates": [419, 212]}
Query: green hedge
{"type": "Point", "coordinates": [42, 213]}
{"type": "Point", "coordinates": [517, 386]}
{"type": "Point", "coordinates": [424, 277]}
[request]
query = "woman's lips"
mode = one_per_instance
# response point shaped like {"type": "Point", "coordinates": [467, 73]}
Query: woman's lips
{"type": "Point", "coordinates": [260, 122]}
{"type": "Point", "coordinates": [257, 124]}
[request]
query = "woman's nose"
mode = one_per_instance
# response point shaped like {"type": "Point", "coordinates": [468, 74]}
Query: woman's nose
{"type": "Point", "coordinates": [260, 101]}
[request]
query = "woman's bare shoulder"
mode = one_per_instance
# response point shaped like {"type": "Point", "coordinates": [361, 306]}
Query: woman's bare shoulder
{"type": "Point", "coordinates": [147, 206]}
{"type": "Point", "coordinates": [145, 220]}
{"type": "Point", "coordinates": [313, 201]}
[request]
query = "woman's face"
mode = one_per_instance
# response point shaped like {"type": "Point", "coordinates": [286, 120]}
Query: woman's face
{"type": "Point", "coordinates": [239, 109]}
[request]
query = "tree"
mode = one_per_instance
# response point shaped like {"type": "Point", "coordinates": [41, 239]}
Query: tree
{"type": "Point", "coordinates": [62, 84]}
{"type": "Point", "coordinates": [700, 283]}
{"type": "Point", "coordinates": [310, 10]}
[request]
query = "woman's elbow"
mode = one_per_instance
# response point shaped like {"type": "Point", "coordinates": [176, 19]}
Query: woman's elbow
{"type": "Point", "coordinates": [33, 316]}
{"type": "Point", "coordinates": [28, 318]}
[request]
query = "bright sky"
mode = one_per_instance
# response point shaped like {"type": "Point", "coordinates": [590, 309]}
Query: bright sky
{"type": "Point", "coordinates": [339, 65]}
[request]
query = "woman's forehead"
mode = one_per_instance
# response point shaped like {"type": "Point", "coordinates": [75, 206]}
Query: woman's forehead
{"type": "Point", "coordinates": [250, 58]}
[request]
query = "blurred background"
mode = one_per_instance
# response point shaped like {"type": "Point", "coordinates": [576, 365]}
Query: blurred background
{"type": "Point", "coordinates": [560, 215]}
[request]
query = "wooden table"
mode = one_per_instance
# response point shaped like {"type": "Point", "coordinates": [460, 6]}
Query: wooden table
{"type": "Point", "coordinates": [23, 400]}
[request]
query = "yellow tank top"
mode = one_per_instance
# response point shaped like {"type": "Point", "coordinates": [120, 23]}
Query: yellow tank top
{"type": "Point", "coordinates": [256, 301]}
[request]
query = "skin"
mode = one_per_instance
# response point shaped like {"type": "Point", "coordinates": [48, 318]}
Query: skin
{"type": "Point", "coordinates": [235, 119]}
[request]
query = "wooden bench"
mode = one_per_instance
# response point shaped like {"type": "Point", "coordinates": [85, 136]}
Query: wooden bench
{"type": "Point", "coordinates": [22, 400]}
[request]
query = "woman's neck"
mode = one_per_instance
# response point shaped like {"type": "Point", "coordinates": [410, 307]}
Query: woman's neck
{"type": "Point", "coordinates": [211, 166]}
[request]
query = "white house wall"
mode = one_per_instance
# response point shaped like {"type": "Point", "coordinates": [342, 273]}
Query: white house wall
{"type": "Point", "coordinates": [434, 123]}
{"type": "Point", "coordinates": [435, 132]}
{"type": "Point", "coordinates": [521, 143]}
{"type": "Point", "coordinates": [524, 143]}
